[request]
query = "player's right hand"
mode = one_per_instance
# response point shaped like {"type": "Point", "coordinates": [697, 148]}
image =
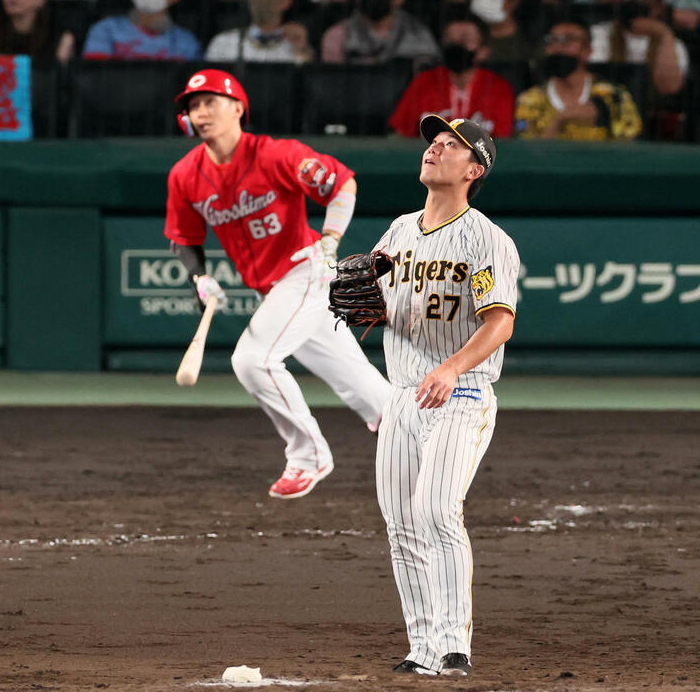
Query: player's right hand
{"type": "Point", "coordinates": [208, 286]}
{"type": "Point", "coordinates": [323, 255]}
{"type": "Point", "coordinates": [437, 386]}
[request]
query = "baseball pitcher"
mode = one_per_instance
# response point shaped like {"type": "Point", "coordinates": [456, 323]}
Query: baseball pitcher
{"type": "Point", "coordinates": [448, 279]}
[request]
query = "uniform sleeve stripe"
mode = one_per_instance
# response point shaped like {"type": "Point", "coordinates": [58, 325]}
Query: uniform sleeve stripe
{"type": "Point", "coordinates": [495, 305]}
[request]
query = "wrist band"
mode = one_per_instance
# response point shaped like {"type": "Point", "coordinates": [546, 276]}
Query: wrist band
{"type": "Point", "coordinates": [339, 212]}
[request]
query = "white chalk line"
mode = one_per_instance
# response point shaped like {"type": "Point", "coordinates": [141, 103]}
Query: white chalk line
{"type": "Point", "coordinates": [286, 683]}
{"type": "Point", "coordinates": [554, 523]}
{"type": "Point", "coordinates": [128, 539]}
{"type": "Point", "coordinates": [531, 526]}
{"type": "Point", "coordinates": [316, 533]}
{"type": "Point", "coordinates": [263, 683]}
{"type": "Point", "coordinates": [118, 539]}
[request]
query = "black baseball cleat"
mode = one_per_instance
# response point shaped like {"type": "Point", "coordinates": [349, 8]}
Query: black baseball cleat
{"type": "Point", "coordinates": [412, 667]}
{"type": "Point", "coordinates": [455, 664]}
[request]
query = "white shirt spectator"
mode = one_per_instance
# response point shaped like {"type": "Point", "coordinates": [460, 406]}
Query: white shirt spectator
{"type": "Point", "coordinates": [256, 47]}
{"type": "Point", "coordinates": [636, 47]}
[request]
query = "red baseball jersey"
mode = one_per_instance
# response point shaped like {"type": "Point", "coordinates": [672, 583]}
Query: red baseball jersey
{"type": "Point", "coordinates": [256, 204]}
{"type": "Point", "coordinates": [487, 99]}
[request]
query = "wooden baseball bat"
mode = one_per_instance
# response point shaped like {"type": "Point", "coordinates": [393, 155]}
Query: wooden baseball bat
{"type": "Point", "coordinates": [188, 372]}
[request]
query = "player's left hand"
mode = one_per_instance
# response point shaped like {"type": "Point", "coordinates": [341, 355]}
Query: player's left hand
{"type": "Point", "coordinates": [437, 386]}
{"type": "Point", "coordinates": [323, 255]}
{"type": "Point", "coordinates": [207, 286]}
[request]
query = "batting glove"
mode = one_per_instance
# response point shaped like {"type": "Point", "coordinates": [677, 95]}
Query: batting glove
{"type": "Point", "coordinates": [207, 287]}
{"type": "Point", "coordinates": [323, 255]}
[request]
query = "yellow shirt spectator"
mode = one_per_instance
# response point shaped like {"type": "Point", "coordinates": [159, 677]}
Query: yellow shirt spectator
{"type": "Point", "coordinates": [539, 108]}
{"type": "Point", "coordinates": [571, 103]}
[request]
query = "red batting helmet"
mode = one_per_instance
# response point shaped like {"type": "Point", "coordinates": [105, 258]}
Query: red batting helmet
{"type": "Point", "coordinates": [214, 82]}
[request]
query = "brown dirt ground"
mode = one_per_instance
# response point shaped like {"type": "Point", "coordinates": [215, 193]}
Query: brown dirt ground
{"type": "Point", "coordinates": [139, 551]}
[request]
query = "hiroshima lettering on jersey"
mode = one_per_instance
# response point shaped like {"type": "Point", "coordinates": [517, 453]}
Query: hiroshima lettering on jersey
{"type": "Point", "coordinates": [255, 204]}
{"type": "Point", "coordinates": [247, 204]}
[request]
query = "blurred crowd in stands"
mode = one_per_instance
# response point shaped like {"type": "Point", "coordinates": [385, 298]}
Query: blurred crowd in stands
{"type": "Point", "coordinates": [570, 69]}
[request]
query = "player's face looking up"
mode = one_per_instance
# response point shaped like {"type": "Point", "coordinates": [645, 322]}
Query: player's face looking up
{"type": "Point", "coordinates": [213, 115]}
{"type": "Point", "coordinates": [448, 162]}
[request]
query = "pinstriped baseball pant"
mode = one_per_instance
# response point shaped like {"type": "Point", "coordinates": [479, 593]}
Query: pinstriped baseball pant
{"type": "Point", "coordinates": [426, 461]}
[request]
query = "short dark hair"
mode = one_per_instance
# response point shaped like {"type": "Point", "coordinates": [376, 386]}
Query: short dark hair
{"type": "Point", "coordinates": [459, 12]}
{"type": "Point", "coordinates": [474, 188]}
{"type": "Point", "coordinates": [477, 184]}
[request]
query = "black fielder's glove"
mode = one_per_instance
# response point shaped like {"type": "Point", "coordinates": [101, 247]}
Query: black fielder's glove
{"type": "Point", "coordinates": [355, 294]}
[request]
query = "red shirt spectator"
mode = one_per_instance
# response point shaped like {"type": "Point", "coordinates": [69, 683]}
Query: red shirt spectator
{"type": "Point", "coordinates": [487, 99]}
{"type": "Point", "coordinates": [460, 89]}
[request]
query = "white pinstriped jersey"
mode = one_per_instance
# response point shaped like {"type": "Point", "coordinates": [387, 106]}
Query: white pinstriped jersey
{"type": "Point", "coordinates": [442, 279]}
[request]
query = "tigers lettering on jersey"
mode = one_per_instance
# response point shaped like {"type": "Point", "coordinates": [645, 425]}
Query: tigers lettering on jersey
{"type": "Point", "coordinates": [312, 173]}
{"type": "Point", "coordinates": [247, 204]}
{"type": "Point", "coordinates": [440, 284]}
{"type": "Point", "coordinates": [405, 269]}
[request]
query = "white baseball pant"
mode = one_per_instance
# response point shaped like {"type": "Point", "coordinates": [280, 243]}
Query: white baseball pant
{"type": "Point", "coordinates": [293, 319]}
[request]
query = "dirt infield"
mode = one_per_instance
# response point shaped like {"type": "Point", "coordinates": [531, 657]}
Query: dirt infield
{"type": "Point", "coordinates": [139, 551]}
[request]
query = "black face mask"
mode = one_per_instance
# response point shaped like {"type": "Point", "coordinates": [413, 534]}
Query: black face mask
{"type": "Point", "coordinates": [375, 10]}
{"type": "Point", "coordinates": [458, 58]}
{"type": "Point", "coordinates": [559, 65]}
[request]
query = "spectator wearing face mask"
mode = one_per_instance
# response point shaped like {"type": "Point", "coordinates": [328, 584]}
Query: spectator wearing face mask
{"type": "Point", "coordinates": [25, 28]}
{"type": "Point", "coordinates": [639, 35]}
{"type": "Point", "coordinates": [460, 88]}
{"type": "Point", "coordinates": [146, 33]}
{"type": "Point", "coordinates": [507, 41]}
{"type": "Point", "coordinates": [572, 103]}
{"type": "Point", "coordinates": [267, 39]}
{"type": "Point", "coordinates": [378, 31]}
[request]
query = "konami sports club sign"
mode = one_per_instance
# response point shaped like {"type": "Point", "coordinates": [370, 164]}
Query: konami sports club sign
{"type": "Point", "coordinates": [159, 281]}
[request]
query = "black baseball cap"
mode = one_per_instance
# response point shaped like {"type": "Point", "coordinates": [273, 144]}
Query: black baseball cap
{"type": "Point", "coordinates": [473, 135]}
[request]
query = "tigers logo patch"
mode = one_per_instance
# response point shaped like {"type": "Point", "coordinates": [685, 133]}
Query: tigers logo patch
{"type": "Point", "coordinates": [482, 282]}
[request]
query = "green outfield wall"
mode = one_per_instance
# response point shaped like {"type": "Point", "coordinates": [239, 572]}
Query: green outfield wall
{"type": "Point", "coordinates": [3, 256]}
{"type": "Point", "coordinates": [609, 238]}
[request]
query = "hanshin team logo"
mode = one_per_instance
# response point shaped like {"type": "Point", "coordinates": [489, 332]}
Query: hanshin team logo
{"type": "Point", "coordinates": [312, 172]}
{"type": "Point", "coordinates": [482, 282]}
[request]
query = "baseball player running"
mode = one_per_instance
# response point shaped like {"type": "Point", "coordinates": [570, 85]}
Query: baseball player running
{"type": "Point", "coordinates": [451, 298]}
{"type": "Point", "coordinates": [251, 191]}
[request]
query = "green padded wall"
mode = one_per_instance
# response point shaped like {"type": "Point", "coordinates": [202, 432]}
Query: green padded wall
{"type": "Point", "coordinates": [585, 282]}
{"type": "Point", "coordinates": [607, 232]}
{"type": "Point", "coordinates": [53, 307]}
{"type": "Point", "coordinates": [3, 260]}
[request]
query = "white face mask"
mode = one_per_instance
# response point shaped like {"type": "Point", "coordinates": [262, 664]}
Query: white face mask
{"type": "Point", "coordinates": [150, 6]}
{"type": "Point", "coordinates": [490, 11]}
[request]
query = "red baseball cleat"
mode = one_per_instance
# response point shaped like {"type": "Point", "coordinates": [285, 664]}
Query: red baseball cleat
{"type": "Point", "coordinates": [298, 482]}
